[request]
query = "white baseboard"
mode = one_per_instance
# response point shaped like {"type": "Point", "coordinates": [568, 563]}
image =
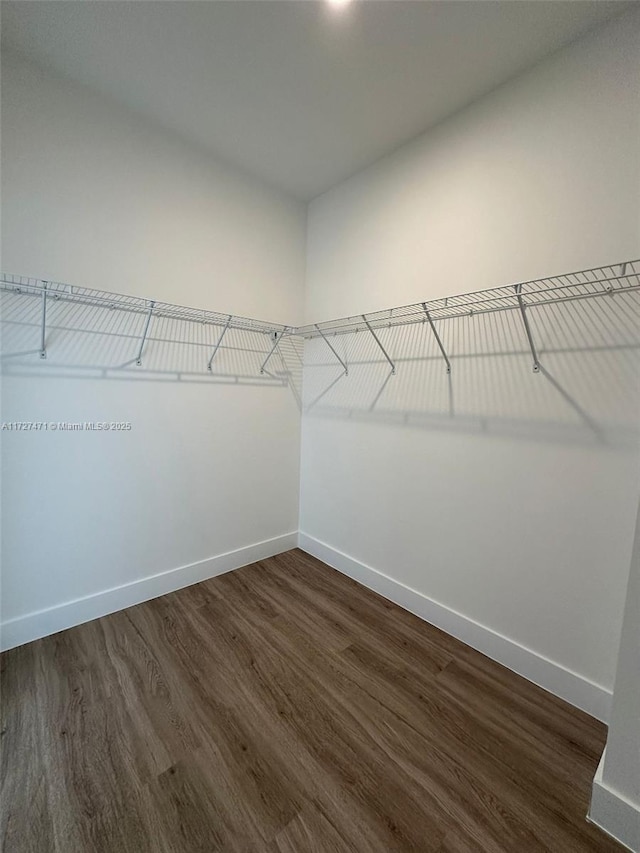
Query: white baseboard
{"type": "Point", "coordinates": [562, 682]}
{"type": "Point", "coordinates": [573, 688]}
{"type": "Point", "coordinates": [613, 813]}
{"type": "Point", "coordinates": [33, 626]}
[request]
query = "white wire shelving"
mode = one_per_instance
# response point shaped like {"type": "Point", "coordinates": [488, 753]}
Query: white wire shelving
{"type": "Point", "coordinates": [596, 283]}
{"type": "Point", "coordinates": [48, 292]}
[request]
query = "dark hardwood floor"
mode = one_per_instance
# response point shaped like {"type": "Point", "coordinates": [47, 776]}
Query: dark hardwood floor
{"type": "Point", "coordinates": [282, 708]}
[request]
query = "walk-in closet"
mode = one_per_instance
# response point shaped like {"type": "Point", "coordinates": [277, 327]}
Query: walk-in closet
{"type": "Point", "coordinates": [320, 426]}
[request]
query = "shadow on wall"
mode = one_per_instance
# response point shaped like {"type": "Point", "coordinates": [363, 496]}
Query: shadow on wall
{"type": "Point", "coordinates": [89, 342]}
{"type": "Point", "coordinates": [587, 390]}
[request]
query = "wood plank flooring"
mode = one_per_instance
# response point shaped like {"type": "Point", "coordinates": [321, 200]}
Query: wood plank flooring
{"type": "Point", "coordinates": [283, 708]}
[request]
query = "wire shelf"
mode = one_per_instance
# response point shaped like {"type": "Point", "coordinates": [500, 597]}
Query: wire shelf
{"type": "Point", "coordinates": [585, 284]}
{"type": "Point", "coordinates": [45, 296]}
{"type": "Point", "coordinates": [87, 296]}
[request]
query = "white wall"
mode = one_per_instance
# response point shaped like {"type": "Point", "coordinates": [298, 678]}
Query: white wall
{"type": "Point", "coordinates": [615, 804]}
{"type": "Point", "coordinates": [622, 767]}
{"type": "Point", "coordinates": [538, 178]}
{"type": "Point", "coordinates": [93, 196]}
{"type": "Point", "coordinates": [509, 498]}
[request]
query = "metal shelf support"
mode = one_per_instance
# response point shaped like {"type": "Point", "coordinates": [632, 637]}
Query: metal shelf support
{"type": "Point", "coordinates": [144, 334]}
{"type": "Point", "coordinates": [332, 348]}
{"type": "Point", "coordinates": [377, 340]}
{"type": "Point", "coordinates": [217, 346]}
{"type": "Point", "coordinates": [43, 345]}
{"type": "Point", "coordinates": [276, 341]}
{"type": "Point", "coordinates": [437, 337]}
{"type": "Point", "coordinates": [527, 328]}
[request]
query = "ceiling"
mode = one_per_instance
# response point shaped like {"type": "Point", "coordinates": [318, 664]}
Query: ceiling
{"type": "Point", "coordinates": [300, 94]}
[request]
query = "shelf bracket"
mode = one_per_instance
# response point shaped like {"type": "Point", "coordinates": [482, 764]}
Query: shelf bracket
{"type": "Point", "coordinates": [276, 341]}
{"type": "Point", "coordinates": [43, 331]}
{"type": "Point", "coordinates": [377, 340]}
{"type": "Point", "coordinates": [437, 337]}
{"type": "Point", "coordinates": [527, 328]}
{"type": "Point", "coordinates": [332, 348]}
{"type": "Point", "coordinates": [217, 346]}
{"type": "Point", "coordinates": [144, 334]}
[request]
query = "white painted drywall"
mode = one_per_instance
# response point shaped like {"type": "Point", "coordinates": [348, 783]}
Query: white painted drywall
{"type": "Point", "coordinates": [506, 496]}
{"type": "Point", "coordinates": [540, 177]}
{"type": "Point", "coordinates": [616, 795]}
{"type": "Point", "coordinates": [622, 764]}
{"type": "Point", "coordinates": [94, 197]}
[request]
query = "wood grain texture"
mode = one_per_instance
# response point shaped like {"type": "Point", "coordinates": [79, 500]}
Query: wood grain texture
{"type": "Point", "coordinates": [283, 708]}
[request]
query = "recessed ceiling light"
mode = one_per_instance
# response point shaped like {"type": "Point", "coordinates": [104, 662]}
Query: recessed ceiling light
{"type": "Point", "coordinates": [338, 4]}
